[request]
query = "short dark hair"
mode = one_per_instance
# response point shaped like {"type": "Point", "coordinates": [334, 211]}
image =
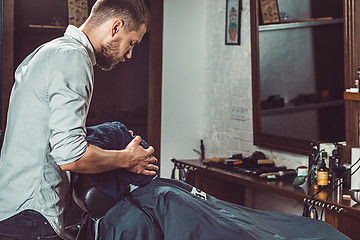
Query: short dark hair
{"type": "Point", "coordinates": [133, 12]}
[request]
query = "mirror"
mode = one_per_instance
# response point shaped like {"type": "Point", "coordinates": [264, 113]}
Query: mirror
{"type": "Point", "coordinates": [298, 74]}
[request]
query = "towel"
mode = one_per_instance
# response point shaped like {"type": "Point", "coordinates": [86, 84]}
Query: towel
{"type": "Point", "coordinates": [114, 136]}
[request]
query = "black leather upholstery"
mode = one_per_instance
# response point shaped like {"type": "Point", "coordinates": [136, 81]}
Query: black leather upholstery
{"type": "Point", "coordinates": [90, 199]}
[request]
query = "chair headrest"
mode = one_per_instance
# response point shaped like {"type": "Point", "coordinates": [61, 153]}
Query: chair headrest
{"type": "Point", "coordinates": [90, 199]}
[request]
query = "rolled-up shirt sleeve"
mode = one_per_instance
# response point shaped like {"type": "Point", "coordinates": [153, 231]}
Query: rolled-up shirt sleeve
{"type": "Point", "coordinates": [70, 92]}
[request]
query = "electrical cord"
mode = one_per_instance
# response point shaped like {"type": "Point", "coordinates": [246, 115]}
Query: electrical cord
{"type": "Point", "coordinates": [338, 183]}
{"type": "Point", "coordinates": [310, 210]}
{"type": "Point", "coordinates": [312, 170]}
{"type": "Point", "coordinates": [333, 185]}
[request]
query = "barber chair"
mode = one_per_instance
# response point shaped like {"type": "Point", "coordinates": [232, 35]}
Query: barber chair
{"type": "Point", "coordinates": [90, 199]}
{"type": "Point", "coordinates": [94, 205]}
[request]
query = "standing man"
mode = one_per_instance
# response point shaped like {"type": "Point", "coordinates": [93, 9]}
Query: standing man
{"type": "Point", "coordinates": [45, 131]}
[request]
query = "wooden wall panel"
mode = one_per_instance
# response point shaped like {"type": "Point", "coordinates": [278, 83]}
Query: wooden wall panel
{"type": "Point", "coordinates": [352, 62]}
{"type": "Point", "coordinates": [7, 57]}
{"type": "Point", "coordinates": [155, 75]}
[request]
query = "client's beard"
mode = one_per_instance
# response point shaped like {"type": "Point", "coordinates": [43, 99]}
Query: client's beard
{"type": "Point", "coordinates": [106, 58]}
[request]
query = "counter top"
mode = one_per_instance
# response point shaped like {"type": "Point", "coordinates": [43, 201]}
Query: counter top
{"type": "Point", "coordinates": [283, 187]}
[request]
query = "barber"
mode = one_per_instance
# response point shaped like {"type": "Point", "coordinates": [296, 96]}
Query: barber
{"type": "Point", "coordinates": [45, 131]}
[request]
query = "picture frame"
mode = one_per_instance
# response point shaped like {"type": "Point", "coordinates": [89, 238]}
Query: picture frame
{"type": "Point", "coordinates": [233, 22]}
{"type": "Point", "coordinates": [269, 11]}
{"type": "Point", "coordinates": [78, 12]}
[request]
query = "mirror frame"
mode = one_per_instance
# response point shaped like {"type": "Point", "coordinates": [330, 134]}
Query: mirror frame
{"type": "Point", "coordinates": [282, 143]}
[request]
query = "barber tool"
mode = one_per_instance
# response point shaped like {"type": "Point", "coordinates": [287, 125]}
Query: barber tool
{"type": "Point", "coordinates": [355, 195]}
{"type": "Point", "coordinates": [215, 160]}
{"type": "Point", "coordinates": [310, 209]}
{"type": "Point", "coordinates": [274, 175]}
{"type": "Point", "coordinates": [313, 212]}
{"type": "Point", "coordinates": [202, 150]}
{"type": "Point", "coordinates": [312, 158]}
{"type": "Point", "coordinates": [302, 174]}
{"type": "Point", "coordinates": [299, 180]}
{"type": "Point", "coordinates": [333, 162]}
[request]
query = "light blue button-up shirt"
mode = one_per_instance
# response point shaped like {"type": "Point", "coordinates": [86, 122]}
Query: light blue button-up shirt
{"type": "Point", "coordinates": [46, 126]}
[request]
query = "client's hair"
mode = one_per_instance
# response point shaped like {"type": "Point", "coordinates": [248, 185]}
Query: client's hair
{"type": "Point", "coordinates": [132, 12]}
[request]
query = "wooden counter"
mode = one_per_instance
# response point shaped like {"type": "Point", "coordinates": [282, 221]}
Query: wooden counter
{"type": "Point", "coordinates": [274, 195]}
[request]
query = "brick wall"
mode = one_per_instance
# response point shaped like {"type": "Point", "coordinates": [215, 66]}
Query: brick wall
{"type": "Point", "coordinates": [227, 116]}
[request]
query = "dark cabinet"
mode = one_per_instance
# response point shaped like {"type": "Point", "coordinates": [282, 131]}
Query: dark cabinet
{"type": "Point", "coordinates": [298, 75]}
{"type": "Point", "coordinates": [124, 94]}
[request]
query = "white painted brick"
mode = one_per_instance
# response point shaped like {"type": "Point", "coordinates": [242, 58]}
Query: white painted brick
{"type": "Point", "coordinates": [246, 102]}
{"type": "Point", "coordinates": [247, 126]}
{"type": "Point", "coordinates": [234, 144]}
{"type": "Point", "coordinates": [236, 124]}
{"type": "Point", "coordinates": [228, 74]}
{"type": "Point", "coordinates": [241, 135]}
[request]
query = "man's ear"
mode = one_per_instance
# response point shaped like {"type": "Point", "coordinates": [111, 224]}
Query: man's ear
{"type": "Point", "coordinates": [117, 25]}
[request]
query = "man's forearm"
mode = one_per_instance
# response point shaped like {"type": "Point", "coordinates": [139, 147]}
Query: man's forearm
{"type": "Point", "coordinates": [97, 160]}
{"type": "Point", "coordinates": [134, 158]}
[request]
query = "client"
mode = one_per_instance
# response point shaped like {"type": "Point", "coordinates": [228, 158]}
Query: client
{"type": "Point", "coordinates": [163, 208]}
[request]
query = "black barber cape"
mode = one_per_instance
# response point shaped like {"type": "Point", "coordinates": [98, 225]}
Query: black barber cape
{"type": "Point", "coordinates": [173, 210]}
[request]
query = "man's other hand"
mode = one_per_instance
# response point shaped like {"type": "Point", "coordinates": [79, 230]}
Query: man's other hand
{"type": "Point", "coordinates": [141, 160]}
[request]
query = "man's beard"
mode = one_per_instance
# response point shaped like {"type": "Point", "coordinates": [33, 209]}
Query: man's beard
{"type": "Point", "coordinates": [106, 59]}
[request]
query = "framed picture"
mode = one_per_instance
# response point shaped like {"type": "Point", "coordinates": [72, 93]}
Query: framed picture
{"type": "Point", "coordinates": [269, 11]}
{"type": "Point", "coordinates": [78, 11]}
{"type": "Point", "coordinates": [233, 22]}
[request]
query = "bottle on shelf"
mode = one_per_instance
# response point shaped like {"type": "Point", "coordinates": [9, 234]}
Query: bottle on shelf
{"type": "Point", "coordinates": [323, 173]}
{"type": "Point", "coordinates": [333, 163]}
{"type": "Point", "coordinates": [312, 165]}
{"type": "Point", "coordinates": [357, 80]}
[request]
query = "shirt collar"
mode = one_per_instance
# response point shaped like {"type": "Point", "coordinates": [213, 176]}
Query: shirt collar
{"type": "Point", "coordinates": [76, 33]}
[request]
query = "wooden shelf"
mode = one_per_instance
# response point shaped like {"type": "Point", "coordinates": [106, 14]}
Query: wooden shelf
{"type": "Point", "coordinates": [40, 29]}
{"type": "Point", "coordinates": [300, 24]}
{"type": "Point", "coordinates": [305, 107]}
{"type": "Point", "coordinates": [352, 96]}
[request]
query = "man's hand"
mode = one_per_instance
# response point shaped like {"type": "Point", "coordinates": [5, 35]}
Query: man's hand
{"type": "Point", "coordinates": [142, 161]}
